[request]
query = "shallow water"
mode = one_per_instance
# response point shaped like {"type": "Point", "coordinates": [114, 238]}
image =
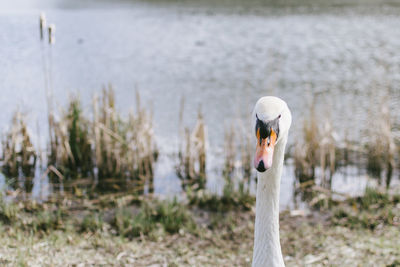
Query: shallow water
{"type": "Point", "coordinates": [221, 58]}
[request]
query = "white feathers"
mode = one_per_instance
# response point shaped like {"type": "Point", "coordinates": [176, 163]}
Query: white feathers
{"type": "Point", "coordinates": [267, 247]}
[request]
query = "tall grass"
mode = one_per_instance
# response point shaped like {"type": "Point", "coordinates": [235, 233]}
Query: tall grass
{"type": "Point", "coordinates": [246, 160]}
{"type": "Point", "coordinates": [328, 151]}
{"type": "Point", "coordinates": [317, 150]}
{"type": "Point", "coordinates": [19, 155]}
{"type": "Point", "coordinates": [48, 86]}
{"type": "Point", "coordinates": [237, 171]}
{"type": "Point", "coordinates": [237, 175]}
{"type": "Point", "coordinates": [191, 167]}
{"type": "Point", "coordinates": [118, 153]}
{"type": "Point", "coordinates": [70, 152]}
{"type": "Point", "coordinates": [230, 153]}
{"type": "Point", "coordinates": [381, 146]}
{"type": "Point", "coordinates": [125, 150]}
{"type": "Point", "coordinates": [306, 154]}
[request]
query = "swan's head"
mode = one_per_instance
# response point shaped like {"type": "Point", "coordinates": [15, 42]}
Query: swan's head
{"type": "Point", "coordinates": [271, 121]}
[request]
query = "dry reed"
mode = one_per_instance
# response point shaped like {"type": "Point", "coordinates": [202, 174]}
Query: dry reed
{"type": "Point", "coordinates": [381, 146]}
{"type": "Point", "coordinates": [318, 149]}
{"type": "Point", "coordinates": [52, 30]}
{"type": "Point", "coordinates": [237, 177]}
{"type": "Point", "coordinates": [116, 153]}
{"type": "Point", "coordinates": [19, 154]}
{"type": "Point", "coordinates": [305, 154]}
{"type": "Point", "coordinates": [125, 150]}
{"type": "Point", "coordinates": [70, 150]}
{"type": "Point", "coordinates": [246, 164]}
{"type": "Point", "coordinates": [42, 25]}
{"type": "Point", "coordinates": [228, 173]}
{"type": "Point", "coordinates": [191, 167]}
{"type": "Point", "coordinates": [237, 170]}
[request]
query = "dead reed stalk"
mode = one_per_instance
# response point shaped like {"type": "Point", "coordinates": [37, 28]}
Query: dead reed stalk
{"type": "Point", "coordinates": [42, 25]}
{"type": "Point", "coordinates": [381, 146]}
{"type": "Point", "coordinates": [70, 150]}
{"type": "Point", "coordinates": [124, 149]}
{"type": "Point", "coordinates": [246, 164]}
{"type": "Point", "coordinates": [318, 149]}
{"type": "Point", "coordinates": [191, 167]}
{"type": "Point", "coordinates": [230, 160]}
{"type": "Point", "coordinates": [238, 167]}
{"type": "Point", "coordinates": [19, 154]}
{"type": "Point", "coordinates": [305, 154]}
{"type": "Point", "coordinates": [118, 153]}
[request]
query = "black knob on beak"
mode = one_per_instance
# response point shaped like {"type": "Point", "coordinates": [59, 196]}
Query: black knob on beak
{"type": "Point", "coordinates": [261, 167]}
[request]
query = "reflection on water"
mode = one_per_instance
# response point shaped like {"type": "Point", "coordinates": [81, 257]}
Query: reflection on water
{"type": "Point", "coordinates": [222, 59]}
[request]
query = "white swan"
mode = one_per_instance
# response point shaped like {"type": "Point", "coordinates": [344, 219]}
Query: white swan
{"type": "Point", "coordinates": [272, 119]}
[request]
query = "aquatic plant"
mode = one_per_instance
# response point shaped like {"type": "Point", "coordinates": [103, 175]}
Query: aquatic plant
{"type": "Point", "coordinates": [237, 171]}
{"type": "Point", "coordinates": [113, 151]}
{"type": "Point", "coordinates": [237, 175]}
{"type": "Point", "coordinates": [246, 165]}
{"type": "Point", "coordinates": [305, 154]}
{"type": "Point", "coordinates": [191, 167]}
{"type": "Point", "coordinates": [125, 150]}
{"type": "Point", "coordinates": [327, 152]}
{"type": "Point", "coordinates": [52, 30]}
{"type": "Point", "coordinates": [19, 155]}
{"type": "Point", "coordinates": [228, 173]}
{"type": "Point", "coordinates": [317, 148]}
{"type": "Point", "coordinates": [42, 25]}
{"type": "Point", "coordinates": [381, 146]}
{"type": "Point", "coordinates": [71, 152]}
{"type": "Point", "coordinates": [48, 79]}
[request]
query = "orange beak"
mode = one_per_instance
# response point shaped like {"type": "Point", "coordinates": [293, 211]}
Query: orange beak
{"type": "Point", "coordinates": [264, 151]}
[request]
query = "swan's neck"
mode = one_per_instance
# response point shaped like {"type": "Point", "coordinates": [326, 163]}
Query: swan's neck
{"type": "Point", "coordinates": [267, 247]}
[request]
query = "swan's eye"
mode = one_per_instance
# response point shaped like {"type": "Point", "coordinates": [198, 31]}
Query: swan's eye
{"type": "Point", "coordinates": [280, 115]}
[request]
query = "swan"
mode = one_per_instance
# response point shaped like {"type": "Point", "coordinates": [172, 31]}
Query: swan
{"type": "Point", "coordinates": [271, 120]}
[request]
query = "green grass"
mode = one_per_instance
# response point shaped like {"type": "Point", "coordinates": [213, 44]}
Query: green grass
{"type": "Point", "coordinates": [157, 215]}
{"type": "Point", "coordinates": [133, 217]}
{"type": "Point", "coordinates": [8, 211]}
{"type": "Point", "coordinates": [229, 200]}
{"type": "Point", "coordinates": [93, 222]}
{"type": "Point", "coordinates": [144, 231]}
{"type": "Point", "coordinates": [373, 197]}
{"type": "Point", "coordinates": [369, 211]}
{"type": "Point", "coordinates": [45, 221]}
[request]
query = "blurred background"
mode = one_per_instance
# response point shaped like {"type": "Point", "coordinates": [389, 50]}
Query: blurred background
{"type": "Point", "coordinates": [152, 99]}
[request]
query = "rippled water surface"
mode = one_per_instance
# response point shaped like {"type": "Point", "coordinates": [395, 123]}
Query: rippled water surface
{"type": "Point", "coordinates": [220, 58]}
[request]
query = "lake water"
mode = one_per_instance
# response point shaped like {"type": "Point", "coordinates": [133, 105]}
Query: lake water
{"type": "Point", "coordinates": [222, 58]}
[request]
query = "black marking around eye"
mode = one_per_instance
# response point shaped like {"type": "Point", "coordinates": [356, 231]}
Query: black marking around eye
{"type": "Point", "coordinates": [265, 127]}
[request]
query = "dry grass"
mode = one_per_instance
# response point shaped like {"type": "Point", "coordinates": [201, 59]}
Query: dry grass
{"type": "Point", "coordinates": [306, 154]}
{"type": "Point", "coordinates": [70, 150]}
{"type": "Point", "coordinates": [318, 149]}
{"type": "Point", "coordinates": [19, 155]}
{"type": "Point", "coordinates": [237, 175]}
{"type": "Point", "coordinates": [238, 167]}
{"type": "Point", "coordinates": [42, 25]}
{"type": "Point", "coordinates": [381, 147]}
{"type": "Point", "coordinates": [221, 239]}
{"type": "Point", "coordinates": [125, 150]}
{"type": "Point", "coordinates": [191, 166]}
{"type": "Point", "coordinates": [230, 151]}
{"type": "Point", "coordinates": [114, 152]}
{"type": "Point", "coordinates": [246, 160]}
